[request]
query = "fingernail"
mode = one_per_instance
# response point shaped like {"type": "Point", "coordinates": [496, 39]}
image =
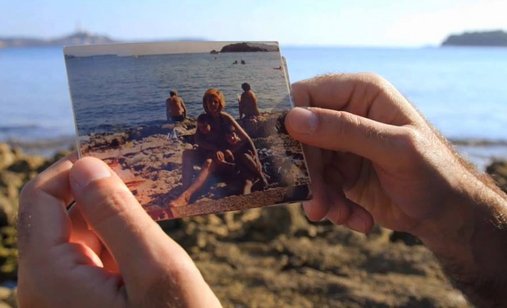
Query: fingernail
{"type": "Point", "coordinates": [303, 120]}
{"type": "Point", "coordinates": [86, 171]}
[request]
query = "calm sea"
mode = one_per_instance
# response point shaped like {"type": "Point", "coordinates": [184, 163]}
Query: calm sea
{"type": "Point", "coordinates": [111, 93]}
{"type": "Point", "coordinates": [460, 90]}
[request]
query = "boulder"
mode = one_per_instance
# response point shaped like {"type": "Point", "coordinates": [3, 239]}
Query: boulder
{"type": "Point", "coordinates": [27, 164]}
{"type": "Point", "coordinates": [7, 157]}
{"type": "Point", "coordinates": [498, 171]}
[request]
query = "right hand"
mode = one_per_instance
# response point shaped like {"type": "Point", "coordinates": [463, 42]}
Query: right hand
{"type": "Point", "coordinates": [373, 157]}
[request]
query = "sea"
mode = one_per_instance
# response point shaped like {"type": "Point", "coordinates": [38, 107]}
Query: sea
{"type": "Point", "coordinates": [114, 93]}
{"type": "Point", "coordinates": [461, 91]}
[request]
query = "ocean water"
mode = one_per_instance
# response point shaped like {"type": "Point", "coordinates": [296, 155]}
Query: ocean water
{"type": "Point", "coordinates": [111, 93]}
{"type": "Point", "coordinates": [461, 91]}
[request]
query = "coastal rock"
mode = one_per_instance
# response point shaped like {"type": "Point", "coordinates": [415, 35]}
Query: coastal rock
{"type": "Point", "coordinates": [249, 47]}
{"type": "Point", "coordinates": [498, 171]}
{"type": "Point", "coordinates": [7, 211]}
{"type": "Point", "coordinates": [26, 164]}
{"type": "Point", "coordinates": [5, 297]}
{"type": "Point", "coordinates": [7, 157]}
{"type": "Point", "coordinates": [486, 38]}
{"type": "Point", "coordinates": [108, 141]}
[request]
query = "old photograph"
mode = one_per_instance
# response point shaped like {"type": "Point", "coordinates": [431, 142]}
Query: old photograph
{"type": "Point", "coordinates": [190, 127]}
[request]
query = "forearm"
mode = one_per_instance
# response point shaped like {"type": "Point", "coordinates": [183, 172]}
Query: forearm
{"type": "Point", "coordinates": [470, 241]}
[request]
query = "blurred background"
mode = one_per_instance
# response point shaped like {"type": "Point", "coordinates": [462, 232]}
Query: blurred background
{"type": "Point", "coordinates": [448, 57]}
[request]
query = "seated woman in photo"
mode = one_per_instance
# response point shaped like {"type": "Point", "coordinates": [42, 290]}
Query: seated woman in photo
{"type": "Point", "coordinates": [210, 139]}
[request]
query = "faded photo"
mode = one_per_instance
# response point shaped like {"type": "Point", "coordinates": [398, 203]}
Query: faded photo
{"type": "Point", "coordinates": [191, 127]}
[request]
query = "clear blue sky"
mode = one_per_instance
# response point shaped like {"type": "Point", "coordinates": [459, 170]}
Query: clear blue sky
{"type": "Point", "coordinates": [292, 22]}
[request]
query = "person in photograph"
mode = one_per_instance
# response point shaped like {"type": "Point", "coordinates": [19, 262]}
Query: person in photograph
{"type": "Point", "coordinates": [176, 111]}
{"type": "Point", "coordinates": [247, 103]}
{"type": "Point", "coordinates": [210, 139]}
{"type": "Point", "coordinates": [245, 157]}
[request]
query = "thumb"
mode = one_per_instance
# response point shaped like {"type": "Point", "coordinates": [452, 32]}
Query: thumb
{"type": "Point", "coordinates": [136, 242]}
{"type": "Point", "coordinates": [344, 131]}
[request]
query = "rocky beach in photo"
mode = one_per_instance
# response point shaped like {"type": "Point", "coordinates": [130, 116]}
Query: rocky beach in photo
{"type": "Point", "coordinates": [149, 160]}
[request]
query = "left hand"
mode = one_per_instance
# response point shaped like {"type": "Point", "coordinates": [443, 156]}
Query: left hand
{"type": "Point", "coordinates": [106, 253]}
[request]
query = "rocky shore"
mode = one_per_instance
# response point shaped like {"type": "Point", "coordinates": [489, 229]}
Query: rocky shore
{"type": "Point", "coordinates": [149, 160]}
{"type": "Point", "coordinates": [16, 168]}
{"type": "Point", "coordinates": [274, 256]}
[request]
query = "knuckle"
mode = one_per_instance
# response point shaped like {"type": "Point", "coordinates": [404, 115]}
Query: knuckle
{"type": "Point", "coordinates": [411, 142]}
{"type": "Point", "coordinates": [373, 79]}
{"type": "Point", "coordinates": [300, 93]}
{"type": "Point", "coordinates": [343, 122]}
{"type": "Point", "coordinates": [106, 201]}
{"type": "Point", "coordinates": [374, 83]}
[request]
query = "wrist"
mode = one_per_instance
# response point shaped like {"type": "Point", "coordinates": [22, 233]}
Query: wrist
{"type": "Point", "coordinates": [450, 230]}
{"type": "Point", "coordinates": [467, 224]}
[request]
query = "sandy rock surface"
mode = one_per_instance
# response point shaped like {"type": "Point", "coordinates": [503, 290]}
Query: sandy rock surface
{"type": "Point", "coordinates": [273, 257]}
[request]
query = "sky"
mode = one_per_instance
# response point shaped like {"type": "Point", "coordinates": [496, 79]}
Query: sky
{"type": "Point", "coordinates": [395, 23]}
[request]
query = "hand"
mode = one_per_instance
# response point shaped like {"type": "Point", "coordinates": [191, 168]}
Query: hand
{"type": "Point", "coordinates": [372, 156]}
{"type": "Point", "coordinates": [106, 253]}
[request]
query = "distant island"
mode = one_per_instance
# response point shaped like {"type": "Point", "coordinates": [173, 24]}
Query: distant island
{"type": "Point", "coordinates": [248, 47]}
{"type": "Point", "coordinates": [496, 38]}
{"type": "Point", "coordinates": [76, 38]}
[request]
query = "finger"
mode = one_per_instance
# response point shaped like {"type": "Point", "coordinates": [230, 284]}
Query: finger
{"type": "Point", "coordinates": [109, 262]}
{"type": "Point", "coordinates": [42, 223]}
{"type": "Point", "coordinates": [345, 212]}
{"type": "Point", "coordinates": [43, 220]}
{"type": "Point", "coordinates": [352, 92]}
{"type": "Point", "coordinates": [359, 219]}
{"type": "Point", "coordinates": [81, 232]}
{"type": "Point", "coordinates": [54, 180]}
{"type": "Point", "coordinates": [363, 94]}
{"type": "Point", "coordinates": [343, 131]}
{"type": "Point", "coordinates": [316, 208]}
{"type": "Point", "coordinates": [136, 242]}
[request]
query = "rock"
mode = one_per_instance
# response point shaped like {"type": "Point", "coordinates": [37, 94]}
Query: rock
{"type": "Point", "coordinates": [498, 171]}
{"type": "Point", "coordinates": [406, 238]}
{"type": "Point", "coordinates": [7, 211]}
{"type": "Point", "coordinates": [249, 47]}
{"type": "Point", "coordinates": [266, 224]}
{"type": "Point", "coordinates": [7, 157]}
{"type": "Point", "coordinates": [10, 185]}
{"type": "Point", "coordinates": [27, 164]}
{"type": "Point", "coordinates": [8, 253]}
{"type": "Point", "coordinates": [485, 38]}
{"type": "Point", "coordinates": [107, 141]}
{"type": "Point", "coordinates": [4, 293]}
